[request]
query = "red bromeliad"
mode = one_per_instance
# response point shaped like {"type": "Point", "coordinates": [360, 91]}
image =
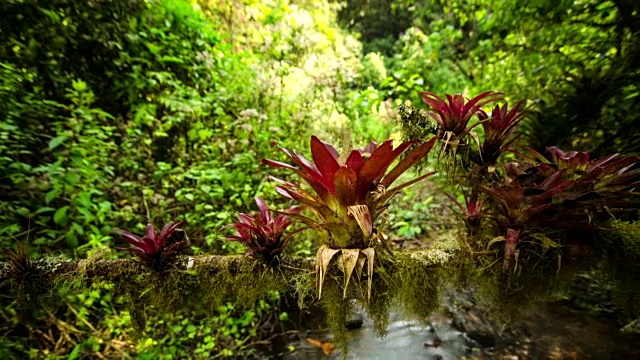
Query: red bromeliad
{"type": "Point", "coordinates": [606, 180]}
{"type": "Point", "coordinates": [453, 115]}
{"type": "Point", "coordinates": [154, 248]}
{"type": "Point", "coordinates": [520, 207]}
{"type": "Point", "coordinates": [498, 130]}
{"type": "Point", "coordinates": [262, 233]}
{"type": "Point", "coordinates": [472, 211]}
{"type": "Point", "coordinates": [350, 194]}
{"type": "Point", "coordinates": [570, 191]}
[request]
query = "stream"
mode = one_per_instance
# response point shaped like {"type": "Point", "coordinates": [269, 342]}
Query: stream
{"type": "Point", "coordinates": [461, 330]}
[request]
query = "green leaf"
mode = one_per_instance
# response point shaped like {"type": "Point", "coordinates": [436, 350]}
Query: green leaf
{"type": "Point", "coordinates": [171, 59]}
{"type": "Point", "coordinates": [283, 316]}
{"type": "Point", "coordinates": [79, 85]}
{"type": "Point", "coordinates": [72, 239]}
{"type": "Point", "coordinates": [75, 354]}
{"type": "Point", "coordinates": [23, 211]}
{"type": "Point", "coordinates": [78, 228]}
{"type": "Point", "coordinates": [60, 217]}
{"type": "Point", "coordinates": [43, 209]}
{"type": "Point", "coordinates": [57, 141]}
{"type": "Point", "coordinates": [51, 195]}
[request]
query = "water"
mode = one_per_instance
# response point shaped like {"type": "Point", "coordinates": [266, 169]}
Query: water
{"type": "Point", "coordinates": [551, 330]}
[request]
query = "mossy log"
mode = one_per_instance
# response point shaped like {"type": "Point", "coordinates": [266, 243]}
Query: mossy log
{"type": "Point", "coordinates": [51, 269]}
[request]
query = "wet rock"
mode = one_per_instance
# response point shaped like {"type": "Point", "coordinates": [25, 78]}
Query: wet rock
{"type": "Point", "coordinates": [433, 343]}
{"type": "Point", "coordinates": [353, 324]}
{"type": "Point", "coordinates": [482, 337]}
{"type": "Point", "coordinates": [356, 320]}
{"type": "Point", "coordinates": [430, 329]}
{"type": "Point", "coordinates": [476, 328]}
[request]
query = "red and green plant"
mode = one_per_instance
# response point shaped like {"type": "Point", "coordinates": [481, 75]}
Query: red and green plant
{"type": "Point", "coordinates": [263, 233]}
{"type": "Point", "coordinates": [498, 131]}
{"type": "Point", "coordinates": [349, 194]}
{"type": "Point", "coordinates": [472, 212]}
{"type": "Point", "coordinates": [156, 249]}
{"type": "Point", "coordinates": [567, 192]}
{"type": "Point", "coordinates": [453, 114]}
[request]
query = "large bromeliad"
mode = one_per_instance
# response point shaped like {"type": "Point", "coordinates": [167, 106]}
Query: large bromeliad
{"type": "Point", "coordinates": [349, 194]}
{"type": "Point", "coordinates": [569, 191]}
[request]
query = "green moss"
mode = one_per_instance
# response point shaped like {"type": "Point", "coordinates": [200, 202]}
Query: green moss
{"type": "Point", "coordinates": [621, 266]}
{"type": "Point", "coordinates": [509, 295]}
{"type": "Point", "coordinates": [625, 236]}
{"type": "Point", "coordinates": [337, 309]}
{"type": "Point", "coordinates": [418, 284]}
{"type": "Point", "coordinates": [378, 306]}
{"type": "Point", "coordinates": [35, 289]}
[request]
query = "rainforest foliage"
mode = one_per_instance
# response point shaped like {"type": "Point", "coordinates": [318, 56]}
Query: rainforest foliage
{"type": "Point", "coordinates": [118, 114]}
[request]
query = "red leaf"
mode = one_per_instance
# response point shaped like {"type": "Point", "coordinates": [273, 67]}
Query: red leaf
{"type": "Point", "coordinates": [264, 209]}
{"type": "Point", "coordinates": [376, 166]}
{"type": "Point", "coordinates": [418, 153]}
{"type": "Point", "coordinates": [166, 231]}
{"type": "Point", "coordinates": [345, 182]}
{"type": "Point", "coordinates": [355, 161]}
{"type": "Point", "coordinates": [323, 158]}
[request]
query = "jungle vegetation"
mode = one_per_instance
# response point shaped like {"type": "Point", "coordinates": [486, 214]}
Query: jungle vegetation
{"type": "Point", "coordinates": [161, 129]}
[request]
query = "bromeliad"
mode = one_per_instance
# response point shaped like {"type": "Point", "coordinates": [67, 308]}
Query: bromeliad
{"type": "Point", "coordinates": [498, 129]}
{"type": "Point", "coordinates": [350, 193]}
{"type": "Point", "coordinates": [262, 233]}
{"type": "Point", "coordinates": [453, 115]}
{"type": "Point", "coordinates": [155, 249]}
{"type": "Point", "coordinates": [472, 212]}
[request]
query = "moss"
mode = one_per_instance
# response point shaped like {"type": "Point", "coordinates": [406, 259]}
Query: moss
{"type": "Point", "coordinates": [509, 295]}
{"type": "Point", "coordinates": [304, 287]}
{"type": "Point", "coordinates": [621, 266]}
{"type": "Point", "coordinates": [418, 284]}
{"type": "Point", "coordinates": [35, 287]}
{"type": "Point", "coordinates": [337, 309]}
{"type": "Point", "coordinates": [378, 306]}
{"type": "Point", "coordinates": [625, 236]}
{"type": "Point", "coordinates": [215, 281]}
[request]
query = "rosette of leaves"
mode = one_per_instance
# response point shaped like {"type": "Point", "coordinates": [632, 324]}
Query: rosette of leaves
{"type": "Point", "coordinates": [156, 249]}
{"type": "Point", "coordinates": [602, 186]}
{"type": "Point", "coordinates": [499, 128]}
{"type": "Point", "coordinates": [568, 191]}
{"type": "Point", "coordinates": [262, 233]}
{"type": "Point", "coordinates": [453, 115]}
{"type": "Point", "coordinates": [348, 194]}
{"type": "Point", "coordinates": [471, 212]}
{"type": "Point", "coordinates": [521, 206]}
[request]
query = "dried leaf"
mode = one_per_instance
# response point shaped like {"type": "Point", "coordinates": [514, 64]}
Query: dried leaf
{"type": "Point", "coordinates": [370, 253]}
{"type": "Point", "coordinates": [327, 347]}
{"type": "Point", "coordinates": [360, 265]}
{"type": "Point", "coordinates": [324, 256]}
{"type": "Point", "coordinates": [349, 261]}
{"type": "Point", "coordinates": [363, 217]}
